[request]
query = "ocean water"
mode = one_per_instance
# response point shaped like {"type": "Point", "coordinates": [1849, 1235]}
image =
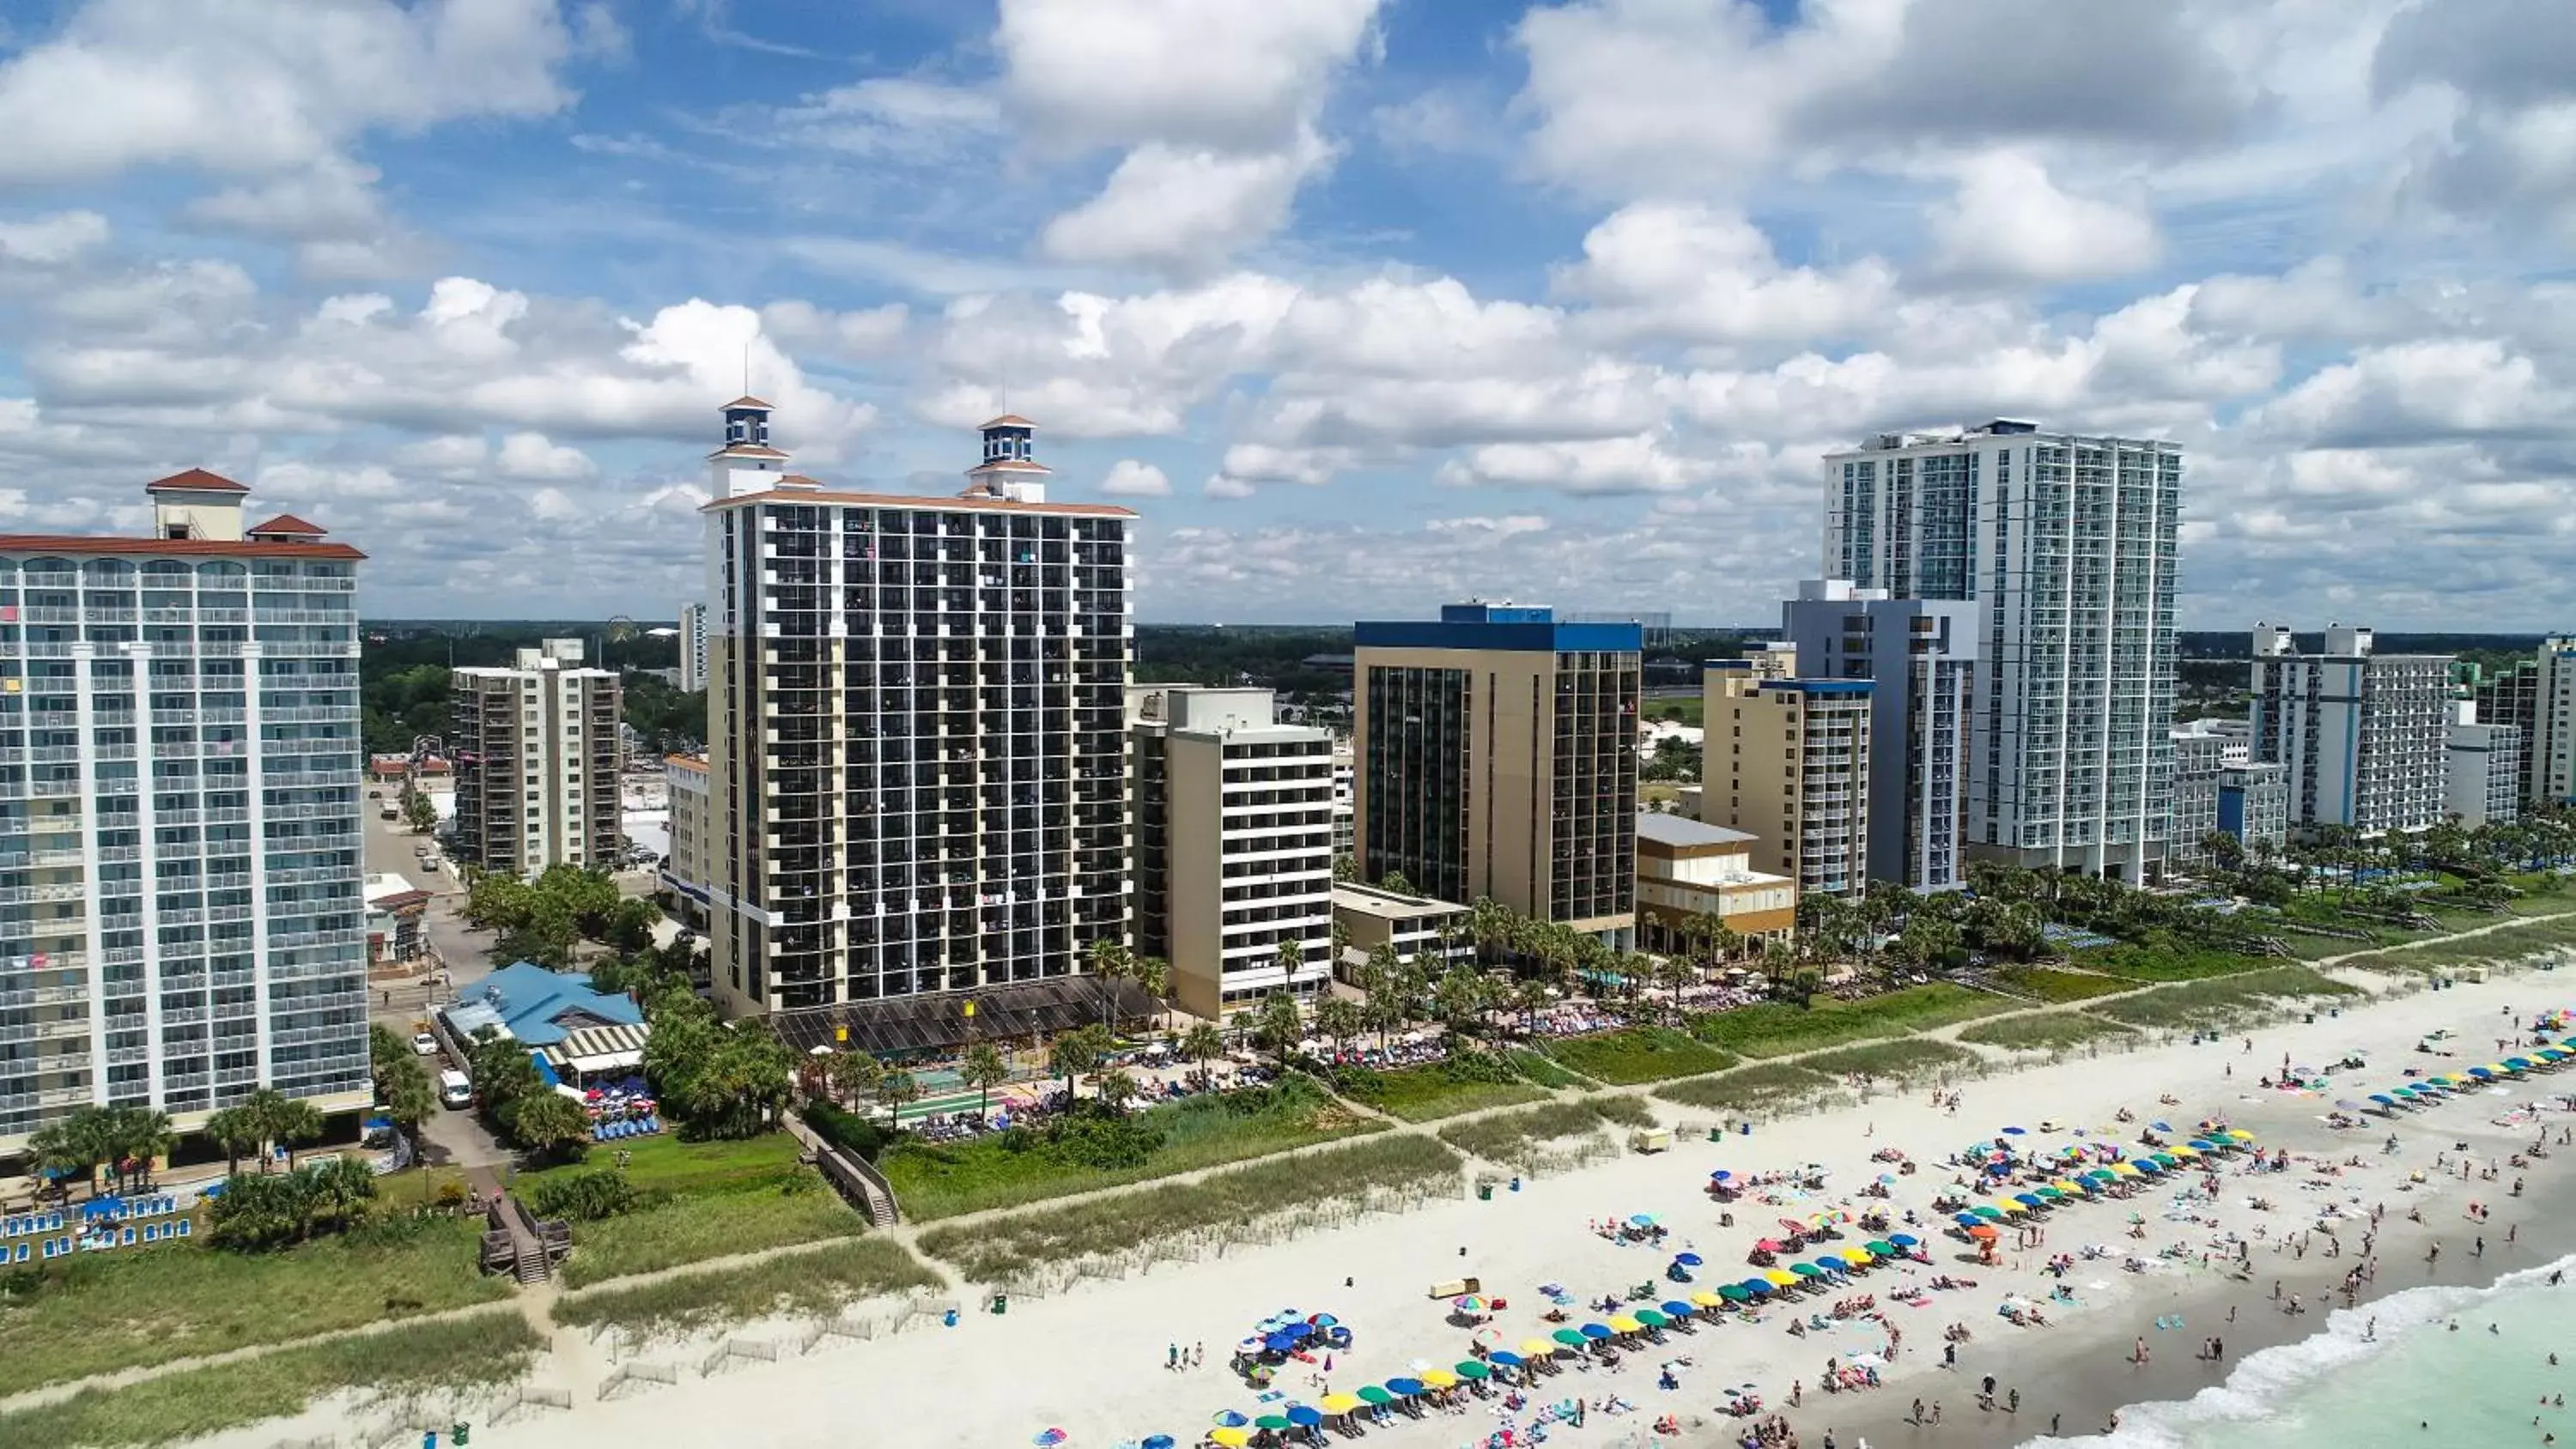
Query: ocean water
{"type": "Point", "coordinates": [2421, 1385]}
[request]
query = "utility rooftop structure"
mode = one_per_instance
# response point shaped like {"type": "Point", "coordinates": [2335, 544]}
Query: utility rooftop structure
{"type": "Point", "coordinates": [182, 911]}
{"type": "Point", "coordinates": [915, 731]}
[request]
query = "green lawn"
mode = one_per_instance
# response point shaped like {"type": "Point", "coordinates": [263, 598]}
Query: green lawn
{"type": "Point", "coordinates": [2048, 1031]}
{"type": "Point", "coordinates": [1690, 707]}
{"type": "Point", "coordinates": [1764, 1089]}
{"type": "Point", "coordinates": [1638, 1054]}
{"type": "Point", "coordinates": [488, 1348]}
{"type": "Point", "coordinates": [1909, 1059]}
{"type": "Point", "coordinates": [106, 1311]}
{"type": "Point", "coordinates": [664, 1163]}
{"type": "Point", "coordinates": [2150, 963]}
{"type": "Point", "coordinates": [2059, 987]}
{"type": "Point", "coordinates": [1427, 1094]}
{"type": "Point", "coordinates": [1540, 1069]}
{"type": "Point", "coordinates": [791, 1207]}
{"type": "Point", "coordinates": [1011, 1169]}
{"type": "Point", "coordinates": [809, 1285]}
{"type": "Point", "coordinates": [1781, 1028]}
{"type": "Point", "coordinates": [1001, 1249]}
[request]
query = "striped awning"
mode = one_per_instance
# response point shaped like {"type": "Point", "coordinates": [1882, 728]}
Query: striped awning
{"type": "Point", "coordinates": [599, 1049]}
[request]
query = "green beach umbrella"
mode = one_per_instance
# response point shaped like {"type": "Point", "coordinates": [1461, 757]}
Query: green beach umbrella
{"type": "Point", "coordinates": [1272, 1421]}
{"type": "Point", "coordinates": [1372, 1394]}
{"type": "Point", "coordinates": [2050, 1193]}
{"type": "Point", "coordinates": [1651, 1317]}
{"type": "Point", "coordinates": [1881, 1247]}
{"type": "Point", "coordinates": [2102, 1174]}
{"type": "Point", "coordinates": [1733, 1292]}
{"type": "Point", "coordinates": [1568, 1337]}
{"type": "Point", "coordinates": [1472, 1369]}
{"type": "Point", "coordinates": [1988, 1211]}
{"type": "Point", "coordinates": [1803, 1270]}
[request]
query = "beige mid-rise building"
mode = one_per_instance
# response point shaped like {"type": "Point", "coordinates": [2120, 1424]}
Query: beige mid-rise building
{"type": "Point", "coordinates": [1497, 757]}
{"type": "Point", "coordinates": [1789, 761]}
{"type": "Point", "coordinates": [1416, 928]}
{"type": "Point", "coordinates": [685, 869]}
{"type": "Point", "coordinates": [1688, 871]}
{"type": "Point", "coordinates": [537, 758]}
{"type": "Point", "coordinates": [1234, 845]}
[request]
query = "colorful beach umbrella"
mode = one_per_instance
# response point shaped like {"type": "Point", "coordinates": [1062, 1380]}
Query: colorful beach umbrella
{"type": "Point", "coordinates": [1470, 1303]}
{"type": "Point", "coordinates": [1758, 1287]}
{"type": "Point", "coordinates": [1502, 1357]}
{"type": "Point", "coordinates": [1967, 1220]}
{"type": "Point", "coordinates": [1469, 1368]}
{"type": "Point", "coordinates": [1340, 1403]}
{"type": "Point", "coordinates": [1049, 1438]}
{"type": "Point", "coordinates": [1988, 1211]}
{"type": "Point", "coordinates": [1273, 1422]}
{"type": "Point", "coordinates": [1229, 1419]}
{"type": "Point", "coordinates": [1880, 1248]}
{"type": "Point", "coordinates": [1373, 1394]}
{"type": "Point", "coordinates": [1806, 1270]}
{"type": "Point", "coordinates": [1780, 1278]}
{"type": "Point", "coordinates": [1404, 1387]}
{"type": "Point", "coordinates": [1229, 1437]}
{"type": "Point", "coordinates": [1706, 1300]}
{"type": "Point", "coordinates": [1652, 1317]}
{"type": "Point", "coordinates": [1736, 1292]}
{"type": "Point", "coordinates": [1439, 1379]}
{"type": "Point", "coordinates": [1597, 1331]}
{"type": "Point", "coordinates": [1687, 1260]}
{"type": "Point", "coordinates": [1984, 1232]}
{"type": "Point", "coordinates": [1675, 1308]}
{"type": "Point", "coordinates": [1903, 1240]}
{"type": "Point", "coordinates": [1539, 1347]}
{"type": "Point", "coordinates": [1624, 1323]}
{"type": "Point", "coordinates": [2030, 1199]}
{"type": "Point", "coordinates": [1571, 1337]}
{"type": "Point", "coordinates": [1305, 1416]}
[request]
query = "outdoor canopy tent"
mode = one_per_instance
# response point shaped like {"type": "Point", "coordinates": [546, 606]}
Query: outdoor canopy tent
{"type": "Point", "coordinates": [594, 1049]}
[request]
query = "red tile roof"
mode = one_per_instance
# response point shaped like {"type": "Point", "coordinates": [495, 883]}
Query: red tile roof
{"type": "Point", "coordinates": [196, 480]}
{"type": "Point", "coordinates": [174, 547]}
{"type": "Point", "coordinates": [914, 500]}
{"type": "Point", "coordinates": [400, 900]}
{"type": "Point", "coordinates": [1009, 420]}
{"type": "Point", "coordinates": [287, 523]}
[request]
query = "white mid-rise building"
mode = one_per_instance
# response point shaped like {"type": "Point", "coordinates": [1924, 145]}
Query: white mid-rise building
{"type": "Point", "coordinates": [1234, 836]}
{"type": "Point", "coordinates": [693, 647]}
{"type": "Point", "coordinates": [182, 900]}
{"type": "Point", "coordinates": [2482, 775]}
{"type": "Point", "coordinates": [916, 739]}
{"type": "Point", "coordinates": [2066, 546]}
{"type": "Point", "coordinates": [537, 757]}
{"type": "Point", "coordinates": [2550, 771]}
{"type": "Point", "coordinates": [2363, 735]}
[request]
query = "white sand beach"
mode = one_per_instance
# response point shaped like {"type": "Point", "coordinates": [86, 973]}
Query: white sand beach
{"type": "Point", "coordinates": [1093, 1360]}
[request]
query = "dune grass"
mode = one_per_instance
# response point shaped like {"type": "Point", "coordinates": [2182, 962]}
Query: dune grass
{"type": "Point", "coordinates": [1520, 1139]}
{"type": "Point", "coordinates": [101, 1312]}
{"type": "Point", "coordinates": [2045, 1031]}
{"type": "Point", "coordinates": [2509, 942]}
{"type": "Point", "coordinates": [1781, 1028]}
{"type": "Point", "coordinates": [806, 1285]}
{"type": "Point", "coordinates": [1764, 1089]}
{"type": "Point", "coordinates": [1429, 1093]}
{"type": "Point", "coordinates": [1910, 1059]}
{"type": "Point", "coordinates": [2057, 987]}
{"type": "Point", "coordinates": [486, 1348]}
{"type": "Point", "coordinates": [2225, 1001]}
{"type": "Point", "coordinates": [1638, 1054]}
{"type": "Point", "coordinates": [1539, 1068]}
{"type": "Point", "coordinates": [995, 1250]}
{"type": "Point", "coordinates": [797, 1207]}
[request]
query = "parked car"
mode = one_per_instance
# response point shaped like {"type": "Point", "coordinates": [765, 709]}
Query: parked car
{"type": "Point", "coordinates": [455, 1091]}
{"type": "Point", "coordinates": [425, 1044]}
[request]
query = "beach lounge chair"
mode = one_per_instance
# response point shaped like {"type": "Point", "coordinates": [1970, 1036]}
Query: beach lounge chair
{"type": "Point", "coordinates": [151, 1233]}
{"type": "Point", "coordinates": [187, 1227]}
{"type": "Point", "coordinates": [21, 1255]}
{"type": "Point", "coordinates": [127, 1239]}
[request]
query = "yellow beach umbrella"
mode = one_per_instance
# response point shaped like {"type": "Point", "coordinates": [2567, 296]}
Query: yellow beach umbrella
{"type": "Point", "coordinates": [1625, 1324]}
{"type": "Point", "coordinates": [2010, 1208]}
{"type": "Point", "coordinates": [1857, 1256]}
{"type": "Point", "coordinates": [2062, 1185]}
{"type": "Point", "coordinates": [2240, 1134]}
{"type": "Point", "coordinates": [1779, 1278]}
{"type": "Point", "coordinates": [1339, 1403]}
{"type": "Point", "coordinates": [1439, 1379]}
{"type": "Point", "coordinates": [1707, 1300]}
{"type": "Point", "coordinates": [2183, 1150]}
{"type": "Point", "coordinates": [1536, 1348]}
{"type": "Point", "coordinates": [2126, 1169]}
{"type": "Point", "coordinates": [1230, 1438]}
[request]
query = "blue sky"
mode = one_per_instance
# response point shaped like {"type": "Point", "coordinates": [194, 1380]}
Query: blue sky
{"type": "Point", "coordinates": [1363, 304]}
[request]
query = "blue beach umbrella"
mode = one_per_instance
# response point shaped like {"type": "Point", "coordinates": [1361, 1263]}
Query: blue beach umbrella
{"type": "Point", "coordinates": [1596, 1331]}
{"type": "Point", "coordinates": [1677, 1308]}
{"type": "Point", "coordinates": [1505, 1357]}
{"type": "Point", "coordinates": [1406, 1387]}
{"type": "Point", "coordinates": [1157, 1441]}
{"type": "Point", "coordinates": [1903, 1240]}
{"type": "Point", "coordinates": [1304, 1416]}
{"type": "Point", "coordinates": [1758, 1287]}
{"type": "Point", "coordinates": [2383, 1099]}
{"type": "Point", "coordinates": [1967, 1220]}
{"type": "Point", "coordinates": [2030, 1199]}
{"type": "Point", "coordinates": [1229, 1419]}
{"type": "Point", "coordinates": [1687, 1260]}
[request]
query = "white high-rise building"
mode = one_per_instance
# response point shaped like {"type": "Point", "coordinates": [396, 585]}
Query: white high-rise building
{"type": "Point", "coordinates": [2066, 546]}
{"type": "Point", "coordinates": [537, 762]}
{"type": "Point", "coordinates": [2482, 769]}
{"type": "Point", "coordinates": [2363, 735]}
{"type": "Point", "coordinates": [693, 647]}
{"type": "Point", "coordinates": [915, 757]}
{"type": "Point", "coordinates": [182, 917]}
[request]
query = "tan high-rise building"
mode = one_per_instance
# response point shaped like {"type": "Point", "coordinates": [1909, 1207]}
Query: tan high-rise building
{"type": "Point", "coordinates": [1233, 821]}
{"type": "Point", "coordinates": [1789, 761]}
{"type": "Point", "coordinates": [1497, 756]}
{"type": "Point", "coordinates": [915, 748]}
{"type": "Point", "coordinates": [537, 759]}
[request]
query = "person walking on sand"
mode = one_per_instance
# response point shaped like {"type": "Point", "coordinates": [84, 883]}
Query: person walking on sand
{"type": "Point", "coordinates": [1918, 1411]}
{"type": "Point", "coordinates": [2138, 1355]}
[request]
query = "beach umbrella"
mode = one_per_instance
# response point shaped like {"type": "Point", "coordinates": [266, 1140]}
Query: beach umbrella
{"type": "Point", "coordinates": [1502, 1356]}
{"type": "Point", "coordinates": [1469, 1368]}
{"type": "Point", "coordinates": [1470, 1303]}
{"type": "Point", "coordinates": [1229, 1437]}
{"type": "Point", "coordinates": [1967, 1220]}
{"type": "Point", "coordinates": [1676, 1308]}
{"type": "Point", "coordinates": [1597, 1331]}
{"type": "Point", "coordinates": [1780, 1278]}
{"type": "Point", "coordinates": [1903, 1240]}
{"type": "Point", "coordinates": [2014, 1132]}
{"type": "Point", "coordinates": [1735, 1292]}
{"type": "Point", "coordinates": [1706, 1300]}
{"type": "Point", "coordinates": [1642, 1220]}
{"type": "Point", "coordinates": [1880, 1248]}
{"type": "Point", "coordinates": [1323, 1320]}
{"type": "Point", "coordinates": [2161, 1126]}
{"type": "Point", "coordinates": [1570, 1337]}
{"type": "Point", "coordinates": [1625, 1323]}
{"type": "Point", "coordinates": [1651, 1317]}
{"type": "Point", "coordinates": [2165, 1159]}
{"type": "Point", "coordinates": [1439, 1379]}
{"type": "Point", "coordinates": [2204, 1144]}
{"type": "Point", "coordinates": [2030, 1199]}
{"type": "Point", "coordinates": [1538, 1347]}
{"type": "Point", "coordinates": [1687, 1260]}
{"type": "Point", "coordinates": [1373, 1394]}
{"type": "Point", "coordinates": [2482, 1073]}
{"type": "Point", "coordinates": [1405, 1388]}
{"type": "Point", "coordinates": [2009, 1208]}
{"type": "Point", "coordinates": [1305, 1416]}
{"type": "Point", "coordinates": [2048, 1194]}
{"type": "Point", "coordinates": [2100, 1174]}
{"type": "Point", "coordinates": [1721, 1175]}
{"type": "Point", "coordinates": [1806, 1270]}
{"type": "Point", "coordinates": [2067, 1185]}
{"type": "Point", "coordinates": [1049, 1438]}
{"type": "Point", "coordinates": [1156, 1441]}
{"type": "Point", "coordinates": [2127, 1169]}
{"type": "Point", "coordinates": [1758, 1287]}
{"type": "Point", "coordinates": [1229, 1419]}
{"type": "Point", "coordinates": [1988, 1211]}
{"type": "Point", "coordinates": [1333, 1404]}
{"type": "Point", "coordinates": [1856, 1257]}
{"type": "Point", "coordinates": [1272, 1422]}
{"type": "Point", "coordinates": [2239, 1134]}
{"type": "Point", "coordinates": [1984, 1232]}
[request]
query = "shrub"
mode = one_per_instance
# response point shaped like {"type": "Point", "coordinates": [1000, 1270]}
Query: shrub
{"type": "Point", "coordinates": [1765, 1089]}
{"type": "Point", "coordinates": [1623, 1111]}
{"type": "Point", "coordinates": [1911, 1059]}
{"type": "Point", "coordinates": [585, 1197]}
{"type": "Point", "coordinates": [863, 1137]}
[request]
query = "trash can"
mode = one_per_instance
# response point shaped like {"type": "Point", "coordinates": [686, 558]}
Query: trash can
{"type": "Point", "coordinates": [2311, 1018]}
{"type": "Point", "coordinates": [1484, 1192]}
{"type": "Point", "coordinates": [948, 1319]}
{"type": "Point", "coordinates": [1717, 1134]}
{"type": "Point", "coordinates": [1516, 1183]}
{"type": "Point", "coordinates": [460, 1434]}
{"type": "Point", "coordinates": [1744, 1129]}
{"type": "Point", "coordinates": [1001, 1303]}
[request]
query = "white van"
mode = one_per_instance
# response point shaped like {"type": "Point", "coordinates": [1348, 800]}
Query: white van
{"type": "Point", "coordinates": [454, 1090]}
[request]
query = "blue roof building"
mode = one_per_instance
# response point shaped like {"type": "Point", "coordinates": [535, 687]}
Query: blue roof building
{"type": "Point", "coordinates": [538, 1007]}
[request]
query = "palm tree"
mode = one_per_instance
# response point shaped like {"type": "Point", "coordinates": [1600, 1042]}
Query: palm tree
{"type": "Point", "coordinates": [62, 1152]}
{"type": "Point", "coordinates": [1339, 1019]}
{"type": "Point", "coordinates": [1290, 958]}
{"type": "Point", "coordinates": [898, 1089]}
{"type": "Point", "coordinates": [1075, 1054]}
{"type": "Point", "coordinates": [1118, 1088]}
{"type": "Point", "coordinates": [141, 1136]}
{"type": "Point", "coordinates": [236, 1134]}
{"type": "Point", "coordinates": [1277, 1028]}
{"type": "Point", "coordinates": [851, 1075]}
{"type": "Point", "coordinates": [984, 1070]}
{"type": "Point", "coordinates": [1202, 1044]}
{"type": "Point", "coordinates": [1110, 964]}
{"type": "Point", "coordinates": [283, 1121]}
{"type": "Point", "coordinates": [338, 1187]}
